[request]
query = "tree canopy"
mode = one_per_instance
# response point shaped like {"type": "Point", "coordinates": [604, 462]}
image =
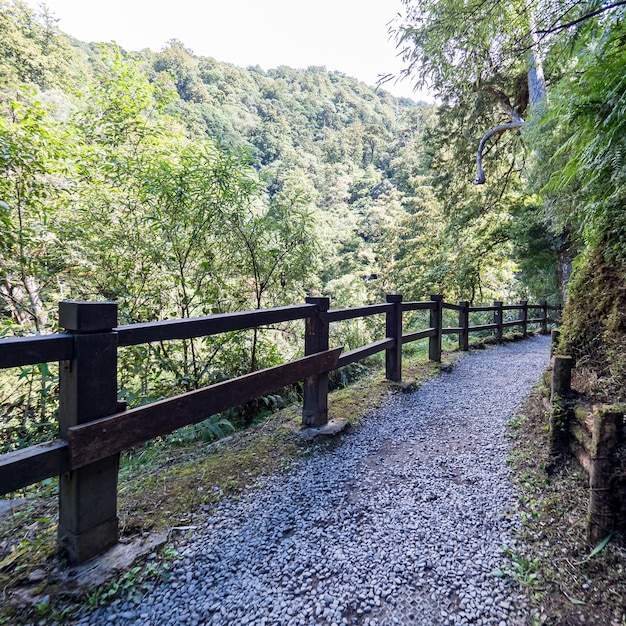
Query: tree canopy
{"type": "Point", "coordinates": [180, 185]}
{"type": "Point", "coordinates": [565, 170]}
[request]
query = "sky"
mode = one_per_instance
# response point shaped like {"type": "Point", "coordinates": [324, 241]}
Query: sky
{"type": "Point", "coordinates": [350, 36]}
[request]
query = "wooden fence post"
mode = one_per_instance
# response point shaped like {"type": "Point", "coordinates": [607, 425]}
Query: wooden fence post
{"type": "Point", "coordinates": [434, 342]}
{"type": "Point", "coordinates": [393, 321]}
{"type": "Point", "coordinates": [523, 316]}
{"type": "Point", "coordinates": [544, 317]}
{"type": "Point", "coordinates": [498, 318]}
{"type": "Point", "coordinates": [88, 522]}
{"type": "Point", "coordinates": [560, 409]}
{"type": "Point", "coordinates": [316, 339]}
{"type": "Point", "coordinates": [558, 312]}
{"type": "Point", "coordinates": [602, 513]}
{"type": "Point", "coordinates": [464, 325]}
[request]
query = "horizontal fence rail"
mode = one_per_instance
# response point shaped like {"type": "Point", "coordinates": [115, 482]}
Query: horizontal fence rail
{"type": "Point", "coordinates": [340, 315]}
{"type": "Point", "coordinates": [593, 434]}
{"type": "Point", "coordinates": [94, 427]}
{"type": "Point", "coordinates": [101, 438]}
{"type": "Point", "coordinates": [31, 350]}
{"type": "Point", "coordinates": [134, 334]}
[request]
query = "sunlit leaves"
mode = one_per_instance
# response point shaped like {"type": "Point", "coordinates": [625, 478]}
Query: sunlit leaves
{"type": "Point", "coordinates": [588, 164]}
{"type": "Point", "coordinates": [32, 186]}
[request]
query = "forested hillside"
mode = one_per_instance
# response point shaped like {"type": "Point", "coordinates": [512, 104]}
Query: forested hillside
{"type": "Point", "coordinates": [348, 168]}
{"type": "Point", "coordinates": [180, 186]}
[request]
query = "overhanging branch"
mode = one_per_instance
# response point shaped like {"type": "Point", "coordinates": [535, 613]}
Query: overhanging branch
{"type": "Point", "coordinates": [496, 130]}
{"type": "Point", "coordinates": [555, 28]}
{"type": "Point", "coordinates": [504, 102]}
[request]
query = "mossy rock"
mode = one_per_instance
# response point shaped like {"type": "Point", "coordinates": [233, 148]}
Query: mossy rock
{"type": "Point", "coordinates": [594, 321]}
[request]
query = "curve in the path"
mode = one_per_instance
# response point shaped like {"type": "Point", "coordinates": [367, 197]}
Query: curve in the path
{"type": "Point", "coordinates": [404, 523]}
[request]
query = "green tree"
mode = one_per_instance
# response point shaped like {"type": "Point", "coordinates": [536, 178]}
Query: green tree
{"type": "Point", "coordinates": [32, 51]}
{"type": "Point", "coordinates": [585, 183]}
{"type": "Point", "coordinates": [178, 62]}
{"type": "Point", "coordinates": [486, 62]}
{"type": "Point", "coordinates": [32, 184]}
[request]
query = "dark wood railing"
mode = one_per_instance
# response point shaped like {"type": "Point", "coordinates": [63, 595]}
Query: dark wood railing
{"type": "Point", "coordinates": [94, 427]}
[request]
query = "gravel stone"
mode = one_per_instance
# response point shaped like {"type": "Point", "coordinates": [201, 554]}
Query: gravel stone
{"type": "Point", "coordinates": [403, 523]}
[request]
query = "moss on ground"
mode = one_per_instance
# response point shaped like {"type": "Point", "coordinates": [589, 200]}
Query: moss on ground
{"type": "Point", "coordinates": [571, 586]}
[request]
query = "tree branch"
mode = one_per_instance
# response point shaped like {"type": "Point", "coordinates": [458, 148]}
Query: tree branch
{"type": "Point", "coordinates": [496, 130]}
{"type": "Point", "coordinates": [582, 18]}
{"type": "Point", "coordinates": [503, 101]}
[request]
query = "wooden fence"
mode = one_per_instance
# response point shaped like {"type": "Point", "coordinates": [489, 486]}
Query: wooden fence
{"type": "Point", "coordinates": [594, 435]}
{"type": "Point", "coordinates": [94, 427]}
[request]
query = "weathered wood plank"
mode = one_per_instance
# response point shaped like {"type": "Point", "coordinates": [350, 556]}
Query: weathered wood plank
{"type": "Point", "coordinates": [451, 307]}
{"type": "Point", "coordinates": [339, 315]}
{"type": "Point", "coordinates": [544, 318]}
{"type": "Point", "coordinates": [561, 377]}
{"type": "Point", "coordinates": [464, 326]}
{"type": "Point", "coordinates": [24, 467]}
{"type": "Point", "coordinates": [475, 329]}
{"type": "Point", "coordinates": [361, 353]}
{"type": "Point", "coordinates": [523, 317]}
{"type": "Point", "coordinates": [602, 513]}
{"type": "Point", "coordinates": [477, 309]}
{"type": "Point", "coordinates": [315, 387]}
{"type": "Point", "coordinates": [419, 334]}
{"type": "Point", "coordinates": [88, 522]}
{"type": "Point", "coordinates": [393, 331]}
{"type": "Point", "coordinates": [452, 330]}
{"type": "Point", "coordinates": [436, 322]}
{"type": "Point", "coordinates": [134, 334]}
{"type": "Point", "coordinates": [418, 306]}
{"type": "Point", "coordinates": [498, 319]}
{"type": "Point", "coordinates": [110, 435]}
{"type": "Point", "coordinates": [512, 323]}
{"type": "Point", "coordinates": [87, 317]}
{"type": "Point", "coordinates": [33, 349]}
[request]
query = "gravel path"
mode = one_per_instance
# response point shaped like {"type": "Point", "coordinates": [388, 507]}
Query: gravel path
{"type": "Point", "coordinates": [403, 523]}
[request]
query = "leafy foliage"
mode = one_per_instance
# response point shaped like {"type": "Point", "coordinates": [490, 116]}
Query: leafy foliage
{"type": "Point", "coordinates": [588, 173]}
{"type": "Point", "coordinates": [481, 59]}
{"type": "Point", "coordinates": [584, 185]}
{"type": "Point", "coordinates": [182, 186]}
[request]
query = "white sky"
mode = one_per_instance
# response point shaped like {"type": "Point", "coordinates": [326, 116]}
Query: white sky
{"type": "Point", "coordinates": [345, 35]}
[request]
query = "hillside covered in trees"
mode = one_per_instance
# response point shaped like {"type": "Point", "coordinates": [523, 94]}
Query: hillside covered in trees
{"type": "Point", "coordinates": [180, 185]}
{"type": "Point", "coordinates": [334, 179]}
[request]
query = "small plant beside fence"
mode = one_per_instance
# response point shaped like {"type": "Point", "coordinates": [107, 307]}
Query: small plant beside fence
{"type": "Point", "coordinates": [94, 426]}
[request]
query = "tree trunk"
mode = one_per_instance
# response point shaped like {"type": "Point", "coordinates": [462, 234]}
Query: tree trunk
{"type": "Point", "coordinates": [537, 91]}
{"type": "Point", "coordinates": [564, 269]}
{"type": "Point", "coordinates": [25, 303]}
